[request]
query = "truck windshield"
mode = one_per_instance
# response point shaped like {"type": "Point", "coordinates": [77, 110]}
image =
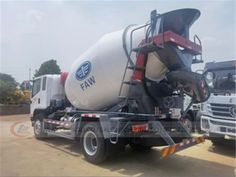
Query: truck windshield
{"type": "Point", "coordinates": [224, 81]}
{"type": "Point", "coordinates": [36, 87]}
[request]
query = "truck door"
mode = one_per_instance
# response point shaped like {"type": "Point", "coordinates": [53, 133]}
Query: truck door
{"type": "Point", "coordinates": [35, 100]}
{"type": "Point", "coordinates": [39, 94]}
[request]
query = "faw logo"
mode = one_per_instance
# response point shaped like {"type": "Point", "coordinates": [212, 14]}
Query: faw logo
{"type": "Point", "coordinates": [83, 71]}
{"type": "Point", "coordinates": [82, 75]}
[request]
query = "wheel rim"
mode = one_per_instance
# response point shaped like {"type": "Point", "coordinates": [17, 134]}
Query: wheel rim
{"type": "Point", "coordinates": [187, 124]}
{"type": "Point", "coordinates": [90, 143]}
{"type": "Point", "coordinates": [37, 127]}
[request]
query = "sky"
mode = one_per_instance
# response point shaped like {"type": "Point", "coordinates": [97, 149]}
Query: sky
{"type": "Point", "coordinates": [32, 32]}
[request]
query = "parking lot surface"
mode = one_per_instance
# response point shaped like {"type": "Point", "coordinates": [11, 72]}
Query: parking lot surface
{"type": "Point", "coordinates": [23, 155]}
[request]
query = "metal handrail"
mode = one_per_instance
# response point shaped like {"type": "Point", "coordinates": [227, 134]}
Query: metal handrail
{"type": "Point", "coordinates": [131, 35]}
{"type": "Point", "coordinates": [196, 38]}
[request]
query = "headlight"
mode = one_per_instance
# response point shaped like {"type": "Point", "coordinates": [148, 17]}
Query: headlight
{"type": "Point", "coordinates": [204, 107]}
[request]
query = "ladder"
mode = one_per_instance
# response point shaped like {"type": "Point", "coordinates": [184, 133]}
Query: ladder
{"type": "Point", "coordinates": [142, 49]}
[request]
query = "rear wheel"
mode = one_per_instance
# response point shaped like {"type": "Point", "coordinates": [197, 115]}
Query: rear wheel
{"type": "Point", "coordinates": [39, 132]}
{"type": "Point", "coordinates": [188, 123]}
{"type": "Point", "coordinates": [92, 143]}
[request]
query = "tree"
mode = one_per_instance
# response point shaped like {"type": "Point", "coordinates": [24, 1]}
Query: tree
{"type": "Point", "coordinates": [48, 67]}
{"type": "Point", "coordinates": [8, 78]}
{"type": "Point", "coordinates": [7, 87]}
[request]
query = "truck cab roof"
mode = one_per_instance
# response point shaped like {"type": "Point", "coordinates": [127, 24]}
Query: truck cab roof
{"type": "Point", "coordinates": [220, 65]}
{"type": "Point", "coordinates": [47, 75]}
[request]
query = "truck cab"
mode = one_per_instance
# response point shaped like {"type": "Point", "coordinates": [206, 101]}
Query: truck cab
{"type": "Point", "coordinates": [47, 92]}
{"type": "Point", "coordinates": [219, 111]}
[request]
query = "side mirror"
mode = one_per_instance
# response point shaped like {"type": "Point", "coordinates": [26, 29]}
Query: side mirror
{"type": "Point", "coordinates": [209, 77]}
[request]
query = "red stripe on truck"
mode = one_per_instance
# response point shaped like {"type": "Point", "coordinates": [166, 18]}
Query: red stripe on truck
{"type": "Point", "coordinates": [63, 78]}
{"type": "Point", "coordinates": [140, 63]}
{"type": "Point", "coordinates": [90, 115]}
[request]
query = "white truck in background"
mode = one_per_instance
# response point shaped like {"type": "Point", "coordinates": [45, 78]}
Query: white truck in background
{"type": "Point", "coordinates": [218, 117]}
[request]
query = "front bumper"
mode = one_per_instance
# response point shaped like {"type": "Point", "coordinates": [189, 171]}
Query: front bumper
{"type": "Point", "coordinates": [218, 126]}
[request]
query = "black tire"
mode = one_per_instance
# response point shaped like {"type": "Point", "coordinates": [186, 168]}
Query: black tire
{"type": "Point", "coordinates": [139, 147]}
{"type": "Point", "coordinates": [198, 121]}
{"type": "Point", "coordinates": [39, 132]}
{"type": "Point", "coordinates": [92, 133]}
{"type": "Point", "coordinates": [188, 119]}
{"type": "Point", "coordinates": [216, 139]}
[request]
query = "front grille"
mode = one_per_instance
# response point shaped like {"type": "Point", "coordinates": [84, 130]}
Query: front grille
{"type": "Point", "coordinates": [223, 123]}
{"type": "Point", "coordinates": [222, 111]}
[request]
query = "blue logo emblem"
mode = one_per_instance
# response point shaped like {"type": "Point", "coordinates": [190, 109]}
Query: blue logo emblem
{"type": "Point", "coordinates": [83, 71]}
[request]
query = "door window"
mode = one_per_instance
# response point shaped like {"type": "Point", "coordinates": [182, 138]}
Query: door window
{"type": "Point", "coordinates": [36, 87]}
{"type": "Point", "coordinates": [44, 83]}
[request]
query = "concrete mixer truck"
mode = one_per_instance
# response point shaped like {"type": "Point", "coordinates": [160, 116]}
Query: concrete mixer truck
{"type": "Point", "coordinates": [126, 89]}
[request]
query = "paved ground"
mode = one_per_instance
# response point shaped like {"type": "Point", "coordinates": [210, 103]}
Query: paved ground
{"type": "Point", "coordinates": [23, 155]}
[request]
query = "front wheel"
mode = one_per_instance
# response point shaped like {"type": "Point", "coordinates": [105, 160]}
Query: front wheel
{"type": "Point", "coordinates": [198, 121]}
{"type": "Point", "coordinates": [92, 143]}
{"type": "Point", "coordinates": [216, 139]}
{"type": "Point", "coordinates": [39, 132]}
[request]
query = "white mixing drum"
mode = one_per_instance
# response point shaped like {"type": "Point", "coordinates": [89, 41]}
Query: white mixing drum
{"type": "Point", "coordinates": [96, 76]}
